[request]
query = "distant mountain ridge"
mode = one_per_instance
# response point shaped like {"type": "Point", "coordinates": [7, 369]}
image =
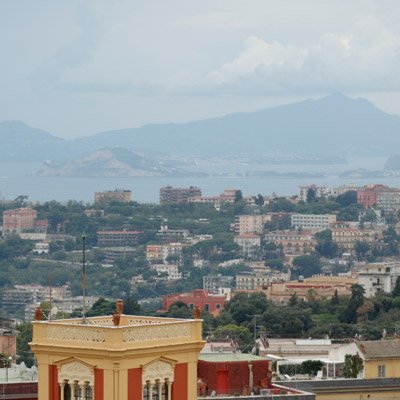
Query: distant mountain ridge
{"type": "Point", "coordinates": [334, 125]}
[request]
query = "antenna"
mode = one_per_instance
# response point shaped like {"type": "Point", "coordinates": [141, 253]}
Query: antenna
{"type": "Point", "coordinates": [83, 279]}
{"type": "Point", "coordinates": [51, 287]}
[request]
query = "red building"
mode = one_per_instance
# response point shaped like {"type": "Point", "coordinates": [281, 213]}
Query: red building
{"type": "Point", "coordinates": [20, 391]}
{"type": "Point", "coordinates": [368, 195]}
{"type": "Point", "coordinates": [18, 220]}
{"type": "Point", "coordinates": [200, 298]}
{"type": "Point", "coordinates": [232, 373]}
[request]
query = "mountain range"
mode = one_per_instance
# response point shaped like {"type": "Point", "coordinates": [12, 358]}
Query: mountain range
{"type": "Point", "coordinates": [335, 125]}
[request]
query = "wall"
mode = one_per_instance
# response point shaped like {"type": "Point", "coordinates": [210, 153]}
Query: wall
{"type": "Point", "coordinates": [238, 374]}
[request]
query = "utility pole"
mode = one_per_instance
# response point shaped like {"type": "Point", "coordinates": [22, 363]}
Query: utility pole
{"type": "Point", "coordinates": [83, 279]}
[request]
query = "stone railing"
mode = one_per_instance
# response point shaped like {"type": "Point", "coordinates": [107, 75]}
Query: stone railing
{"type": "Point", "coordinates": [132, 332]}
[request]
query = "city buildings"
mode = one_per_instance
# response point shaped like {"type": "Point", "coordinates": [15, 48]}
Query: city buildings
{"type": "Point", "coordinates": [21, 220]}
{"type": "Point", "coordinates": [233, 374]}
{"type": "Point", "coordinates": [161, 253]}
{"type": "Point", "coordinates": [169, 194]}
{"type": "Point", "coordinates": [368, 195]}
{"type": "Point", "coordinates": [118, 195]}
{"type": "Point", "coordinates": [213, 283]}
{"type": "Point", "coordinates": [379, 277]}
{"type": "Point", "coordinates": [169, 272]}
{"type": "Point", "coordinates": [118, 238]}
{"type": "Point", "coordinates": [251, 223]}
{"type": "Point", "coordinates": [251, 281]}
{"type": "Point", "coordinates": [249, 244]}
{"type": "Point", "coordinates": [292, 243]}
{"type": "Point", "coordinates": [318, 287]}
{"type": "Point", "coordinates": [389, 202]}
{"type": "Point", "coordinates": [319, 191]}
{"type": "Point", "coordinates": [213, 303]}
{"type": "Point", "coordinates": [346, 237]}
{"type": "Point", "coordinates": [314, 222]}
{"type": "Point", "coordinates": [119, 357]}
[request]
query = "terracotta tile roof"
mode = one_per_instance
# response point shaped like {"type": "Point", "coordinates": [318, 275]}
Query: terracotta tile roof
{"type": "Point", "coordinates": [379, 348]}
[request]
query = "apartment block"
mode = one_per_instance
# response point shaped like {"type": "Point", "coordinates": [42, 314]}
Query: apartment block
{"type": "Point", "coordinates": [256, 281]}
{"type": "Point", "coordinates": [18, 220]}
{"type": "Point", "coordinates": [119, 195]}
{"type": "Point", "coordinates": [213, 283]}
{"type": "Point", "coordinates": [169, 194]}
{"type": "Point", "coordinates": [293, 243]}
{"type": "Point", "coordinates": [389, 201]}
{"type": "Point", "coordinates": [320, 191]}
{"type": "Point", "coordinates": [117, 238]}
{"type": "Point", "coordinates": [346, 238]}
{"type": "Point", "coordinates": [249, 244]}
{"type": "Point", "coordinates": [170, 271]}
{"type": "Point", "coordinates": [368, 195]}
{"type": "Point", "coordinates": [315, 222]}
{"type": "Point", "coordinates": [379, 277]}
{"type": "Point", "coordinates": [251, 223]}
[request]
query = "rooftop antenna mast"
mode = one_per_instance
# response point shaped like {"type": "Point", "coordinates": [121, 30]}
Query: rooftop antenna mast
{"type": "Point", "coordinates": [51, 297]}
{"type": "Point", "coordinates": [83, 279]}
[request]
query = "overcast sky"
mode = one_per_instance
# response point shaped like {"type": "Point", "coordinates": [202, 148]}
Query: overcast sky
{"type": "Point", "coordinates": [77, 67]}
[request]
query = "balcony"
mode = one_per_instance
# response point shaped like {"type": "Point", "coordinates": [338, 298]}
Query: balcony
{"type": "Point", "coordinates": [100, 333]}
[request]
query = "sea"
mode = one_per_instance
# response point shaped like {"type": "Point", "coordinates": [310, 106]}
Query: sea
{"type": "Point", "coordinates": [21, 179]}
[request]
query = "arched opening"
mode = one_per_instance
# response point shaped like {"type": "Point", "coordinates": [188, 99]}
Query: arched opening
{"type": "Point", "coordinates": [67, 391]}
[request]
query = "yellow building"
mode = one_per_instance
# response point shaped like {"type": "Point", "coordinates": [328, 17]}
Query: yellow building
{"type": "Point", "coordinates": [134, 358]}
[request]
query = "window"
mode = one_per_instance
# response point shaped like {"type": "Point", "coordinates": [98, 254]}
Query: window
{"type": "Point", "coordinates": [156, 391]}
{"type": "Point", "coordinates": [218, 306]}
{"type": "Point", "coordinates": [67, 391]}
{"type": "Point", "coordinates": [164, 391]}
{"type": "Point", "coordinates": [77, 392]}
{"type": "Point", "coordinates": [207, 307]}
{"type": "Point", "coordinates": [88, 392]}
{"type": "Point", "coordinates": [146, 392]}
{"type": "Point", "coordinates": [381, 371]}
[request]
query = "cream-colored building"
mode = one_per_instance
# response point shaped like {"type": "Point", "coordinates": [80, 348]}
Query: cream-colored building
{"type": "Point", "coordinates": [251, 223]}
{"type": "Point", "coordinates": [137, 358]}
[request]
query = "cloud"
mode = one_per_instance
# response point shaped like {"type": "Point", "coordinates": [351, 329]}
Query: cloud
{"type": "Point", "coordinates": [366, 58]}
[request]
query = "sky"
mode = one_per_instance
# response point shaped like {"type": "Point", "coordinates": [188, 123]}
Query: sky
{"type": "Point", "coordinates": [78, 67]}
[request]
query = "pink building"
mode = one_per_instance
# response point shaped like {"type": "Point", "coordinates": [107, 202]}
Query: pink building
{"type": "Point", "coordinates": [18, 220]}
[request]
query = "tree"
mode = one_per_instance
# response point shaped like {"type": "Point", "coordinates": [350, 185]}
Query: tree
{"type": "Point", "coordinates": [23, 348]}
{"type": "Point", "coordinates": [353, 365]}
{"type": "Point", "coordinates": [307, 265]}
{"type": "Point", "coordinates": [335, 298]}
{"type": "Point", "coordinates": [325, 245]}
{"type": "Point", "coordinates": [294, 300]}
{"type": "Point", "coordinates": [311, 367]}
{"type": "Point", "coordinates": [349, 314]}
{"type": "Point", "coordinates": [260, 200]}
{"type": "Point", "coordinates": [396, 290]}
{"type": "Point", "coordinates": [239, 334]}
{"type": "Point", "coordinates": [311, 195]}
{"type": "Point", "coordinates": [361, 249]}
{"type": "Point", "coordinates": [101, 307]}
{"type": "Point", "coordinates": [347, 198]}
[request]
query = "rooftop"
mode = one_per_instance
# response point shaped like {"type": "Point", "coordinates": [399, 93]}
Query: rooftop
{"type": "Point", "coordinates": [229, 357]}
{"type": "Point", "coordinates": [379, 348]}
{"type": "Point", "coordinates": [101, 333]}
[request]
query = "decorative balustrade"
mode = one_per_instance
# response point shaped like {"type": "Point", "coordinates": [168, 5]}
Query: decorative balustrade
{"type": "Point", "coordinates": [99, 332]}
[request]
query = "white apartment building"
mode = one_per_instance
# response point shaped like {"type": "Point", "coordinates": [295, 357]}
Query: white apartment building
{"type": "Point", "coordinates": [316, 222]}
{"type": "Point", "coordinates": [389, 201]}
{"type": "Point", "coordinates": [320, 191]}
{"type": "Point", "coordinates": [251, 223]}
{"type": "Point", "coordinates": [170, 271]}
{"type": "Point", "coordinates": [254, 281]}
{"type": "Point", "coordinates": [379, 277]}
{"type": "Point", "coordinates": [249, 244]}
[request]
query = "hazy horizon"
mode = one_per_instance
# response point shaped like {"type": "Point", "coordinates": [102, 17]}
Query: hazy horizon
{"type": "Point", "coordinates": [81, 67]}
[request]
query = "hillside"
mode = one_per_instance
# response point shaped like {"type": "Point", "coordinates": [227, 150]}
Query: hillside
{"type": "Point", "coordinates": [111, 163]}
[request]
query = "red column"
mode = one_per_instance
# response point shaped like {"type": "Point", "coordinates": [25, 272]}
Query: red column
{"type": "Point", "coordinates": [54, 387]}
{"type": "Point", "coordinates": [180, 385]}
{"type": "Point", "coordinates": [98, 384]}
{"type": "Point", "coordinates": [134, 384]}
